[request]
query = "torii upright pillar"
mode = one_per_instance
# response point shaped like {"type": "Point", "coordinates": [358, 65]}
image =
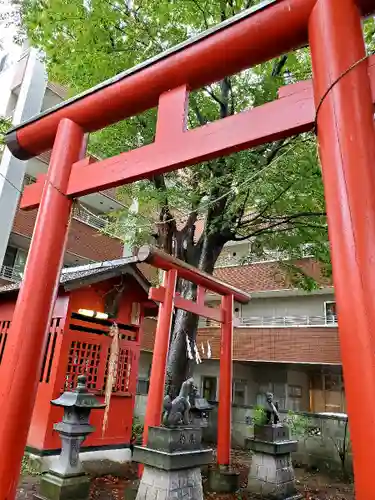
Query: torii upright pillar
{"type": "Point", "coordinates": [34, 305]}
{"type": "Point", "coordinates": [347, 150]}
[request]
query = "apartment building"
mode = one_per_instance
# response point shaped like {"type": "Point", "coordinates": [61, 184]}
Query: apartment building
{"type": "Point", "coordinates": [285, 340]}
{"type": "Point", "coordinates": [25, 90]}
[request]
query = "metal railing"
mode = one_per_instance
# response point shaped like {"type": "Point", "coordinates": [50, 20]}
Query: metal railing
{"type": "Point", "coordinates": [14, 274]}
{"type": "Point", "coordinates": [89, 219]}
{"type": "Point", "coordinates": [277, 321]}
{"type": "Point", "coordinates": [286, 321]}
{"type": "Point", "coordinates": [79, 212]}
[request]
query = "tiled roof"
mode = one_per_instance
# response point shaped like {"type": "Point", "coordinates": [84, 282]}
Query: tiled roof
{"type": "Point", "coordinates": [264, 276]}
{"type": "Point", "coordinates": [70, 274]}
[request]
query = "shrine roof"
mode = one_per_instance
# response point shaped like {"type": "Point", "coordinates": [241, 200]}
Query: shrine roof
{"type": "Point", "coordinates": [78, 276]}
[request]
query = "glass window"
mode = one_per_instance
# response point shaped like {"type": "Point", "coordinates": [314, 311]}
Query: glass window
{"type": "Point", "coordinates": [209, 388]}
{"type": "Point", "coordinates": [295, 391]}
{"type": "Point", "coordinates": [239, 392]}
{"type": "Point", "coordinates": [330, 312]}
{"type": "Point", "coordinates": [20, 260]}
{"type": "Point", "coordinates": [10, 256]}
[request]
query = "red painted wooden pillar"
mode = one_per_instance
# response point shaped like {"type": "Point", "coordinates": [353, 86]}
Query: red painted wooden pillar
{"type": "Point", "coordinates": [23, 356]}
{"type": "Point", "coordinates": [225, 383]}
{"type": "Point", "coordinates": [159, 357]}
{"type": "Point", "coordinates": [347, 152]}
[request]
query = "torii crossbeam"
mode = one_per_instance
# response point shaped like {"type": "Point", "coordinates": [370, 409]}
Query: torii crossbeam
{"type": "Point", "coordinates": [341, 88]}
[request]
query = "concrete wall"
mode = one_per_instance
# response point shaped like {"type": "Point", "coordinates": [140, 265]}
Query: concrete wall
{"type": "Point", "coordinates": [234, 254]}
{"type": "Point", "coordinates": [257, 377]}
{"type": "Point", "coordinates": [309, 305]}
{"type": "Point", "coordinates": [278, 306]}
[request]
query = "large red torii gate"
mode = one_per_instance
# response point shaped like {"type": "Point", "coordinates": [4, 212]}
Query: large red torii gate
{"type": "Point", "coordinates": [342, 78]}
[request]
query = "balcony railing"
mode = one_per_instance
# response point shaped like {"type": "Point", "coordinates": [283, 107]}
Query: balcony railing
{"type": "Point", "coordinates": [89, 219]}
{"type": "Point", "coordinates": [79, 212]}
{"type": "Point", "coordinates": [14, 274]}
{"type": "Point", "coordinates": [287, 321]}
{"type": "Point", "coordinates": [277, 321]}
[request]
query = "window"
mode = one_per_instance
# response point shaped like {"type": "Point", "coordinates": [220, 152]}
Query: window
{"type": "Point", "coordinates": [10, 256]}
{"type": "Point", "coordinates": [209, 388]}
{"type": "Point", "coordinates": [294, 397]}
{"type": "Point", "coordinates": [20, 260]}
{"type": "Point", "coordinates": [295, 391]}
{"type": "Point", "coordinates": [239, 392]}
{"type": "Point", "coordinates": [330, 312]}
{"type": "Point", "coordinates": [15, 257]}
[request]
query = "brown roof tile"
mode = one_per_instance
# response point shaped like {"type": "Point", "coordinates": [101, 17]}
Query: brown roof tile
{"type": "Point", "coordinates": [264, 276]}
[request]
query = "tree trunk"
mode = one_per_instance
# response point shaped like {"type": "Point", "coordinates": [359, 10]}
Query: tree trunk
{"type": "Point", "coordinates": [185, 324]}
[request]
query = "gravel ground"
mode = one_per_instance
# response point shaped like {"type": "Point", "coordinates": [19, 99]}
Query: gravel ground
{"type": "Point", "coordinates": [313, 486]}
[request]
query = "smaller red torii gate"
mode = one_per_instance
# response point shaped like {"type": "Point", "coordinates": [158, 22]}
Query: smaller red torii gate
{"type": "Point", "coordinates": [168, 298]}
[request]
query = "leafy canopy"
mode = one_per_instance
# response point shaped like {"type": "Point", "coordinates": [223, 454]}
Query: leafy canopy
{"type": "Point", "coordinates": [272, 195]}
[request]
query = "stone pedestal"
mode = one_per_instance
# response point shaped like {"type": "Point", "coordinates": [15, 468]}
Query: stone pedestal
{"type": "Point", "coordinates": [223, 479]}
{"type": "Point", "coordinates": [172, 458]}
{"type": "Point", "coordinates": [271, 474]}
{"type": "Point", "coordinates": [55, 487]}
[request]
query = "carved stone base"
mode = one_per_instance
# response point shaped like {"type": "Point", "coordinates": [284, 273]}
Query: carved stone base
{"type": "Point", "coordinates": [271, 474]}
{"type": "Point", "coordinates": [173, 458]}
{"type": "Point", "coordinates": [272, 477]}
{"type": "Point", "coordinates": [54, 487]}
{"type": "Point", "coordinates": [183, 484]}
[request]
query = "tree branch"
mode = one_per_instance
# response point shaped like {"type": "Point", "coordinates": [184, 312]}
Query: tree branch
{"type": "Point", "coordinates": [199, 7]}
{"type": "Point", "coordinates": [279, 64]}
{"type": "Point", "coordinates": [167, 228]}
{"type": "Point", "coordinates": [287, 220]}
{"type": "Point", "coordinates": [198, 114]}
{"type": "Point", "coordinates": [266, 207]}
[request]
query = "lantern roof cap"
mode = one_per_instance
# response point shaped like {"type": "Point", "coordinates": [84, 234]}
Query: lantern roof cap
{"type": "Point", "coordinates": [79, 397]}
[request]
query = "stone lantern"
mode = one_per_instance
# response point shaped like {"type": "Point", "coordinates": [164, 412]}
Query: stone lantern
{"type": "Point", "coordinates": [199, 409]}
{"type": "Point", "coordinates": [66, 478]}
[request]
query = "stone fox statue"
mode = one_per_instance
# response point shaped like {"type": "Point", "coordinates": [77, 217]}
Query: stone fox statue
{"type": "Point", "coordinates": [177, 412]}
{"type": "Point", "coordinates": [272, 410]}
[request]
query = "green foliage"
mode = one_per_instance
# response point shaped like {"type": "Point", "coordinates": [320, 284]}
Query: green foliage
{"type": "Point", "coordinates": [5, 124]}
{"type": "Point", "coordinates": [259, 416]}
{"type": "Point", "coordinates": [272, 194]}
{"type": "Point", "coordinates": [137, 428]}
{"type": "Point", "coordinates": [299, 425]}
{"type": "Point", "coordinates": [27, 467]}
